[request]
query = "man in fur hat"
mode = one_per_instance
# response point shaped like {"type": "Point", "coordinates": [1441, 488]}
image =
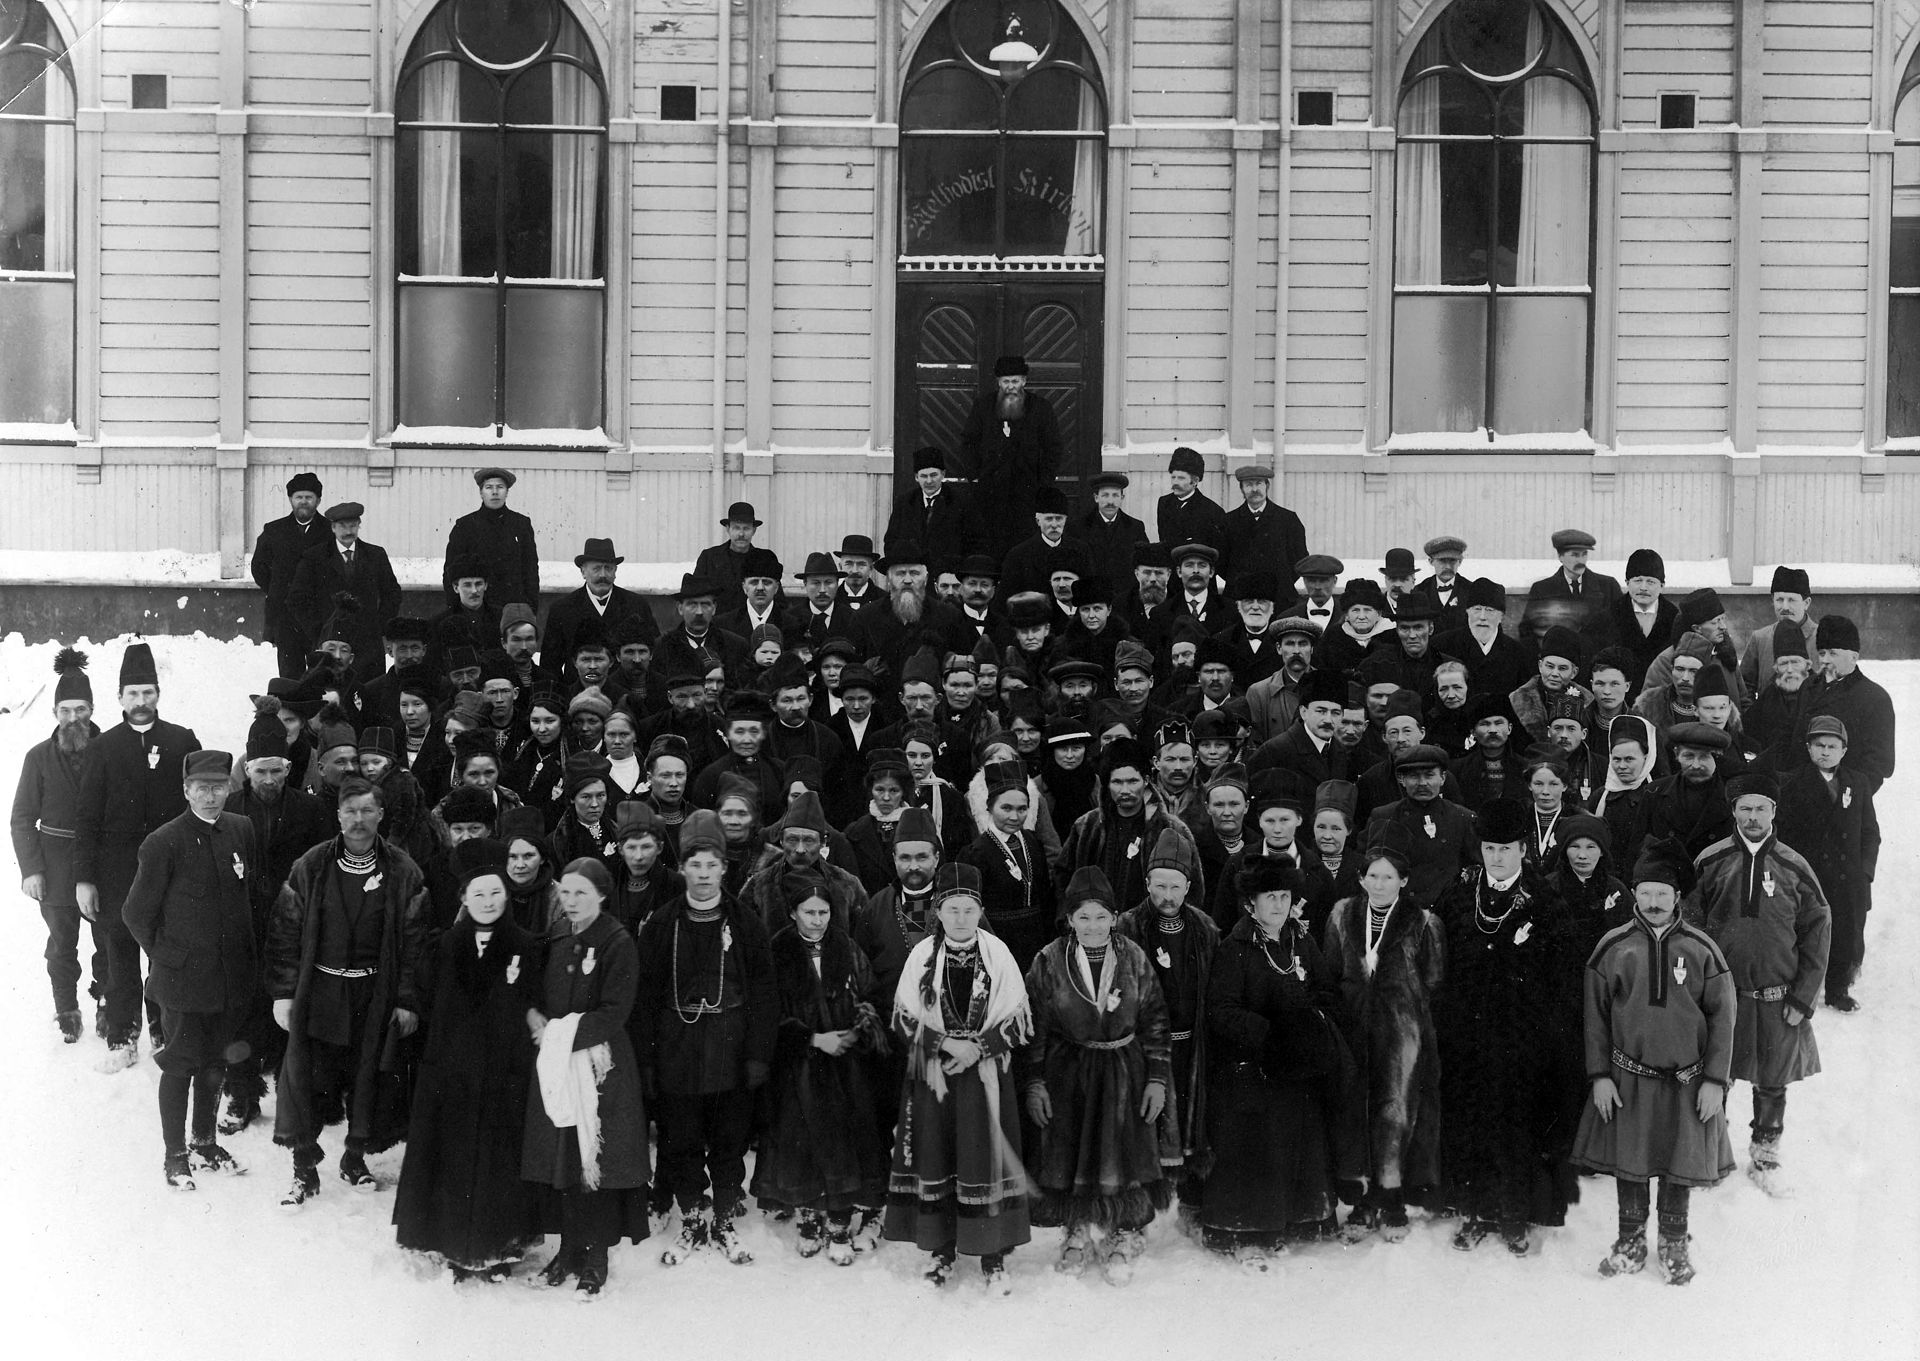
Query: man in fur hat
{"type": "Point", "coordinates": [802, 836]}
{"type": "Point", "coordinates": [1030, 564]}
{"type": "Point", "coordinates": [1308, 747]}
{"type": "Point", "coordinates": [1776, 720]}
{"type": "Point", "coordinates": [276, 557]}
{"type": "Point", "coordinates": [472, 620]}
{"type": "Point", "coordinates": [1845, 693]}
{"type": "Point", "coordinates": [1642, 620]}
{"type": "Point", "coordinates": [1496, 663]}
{"type": "Point", "coordinates": [346, 564]}
{"type": "Point", "coordinates": [1561, 658]}
{"type": "Point", "coordinates": [1119, 833]}
{"type": "Point", "coordinates": [1186, 514]}
{"type": "Point", "coordinates": [1792, 593]}
{"type": "Point", "coordinates": [1761, 902]}
{"type": "Point", "coordinates": [1700, 612]}
{"type": "Point", "coordinates": [500, 540]}
{"type": "Point", "coordinates": [45, 814]}
{"type": "Point", "coordinates": [1492, 767]}
{"type": "Point", "coordinates": [1011, 447]}
{"type": "Point", "coordinates": [129, 788]}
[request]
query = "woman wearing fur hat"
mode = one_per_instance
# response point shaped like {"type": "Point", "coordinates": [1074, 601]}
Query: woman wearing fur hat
{"type": "Point", "coordinates": [1509, 1029]}
{"type": "Point", "coordinates": [586, 829]}
{"type": "Point", "coordinates": [1099, 1085]}
{"type": "Point", "coordinates": [1580, 872]}
{"type": "Point", "coordinates": [1278, 1066]}
{"type": "Point", "coordinates": [1016, 887]}
{"type": "Point", "coordinates": [533, 898]}
{"type": "Point", "coordinates": [461, 1194]}
{"type": "Point", "coordinates": [1389, 955]}
{"type": "Point", "coordinates": [822, 1153]}
{"type": "Point", "coordinates": [957, 1184]}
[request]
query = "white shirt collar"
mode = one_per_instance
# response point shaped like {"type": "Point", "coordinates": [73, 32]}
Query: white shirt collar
{"type": "Point", "coordinates": [1502, 885]}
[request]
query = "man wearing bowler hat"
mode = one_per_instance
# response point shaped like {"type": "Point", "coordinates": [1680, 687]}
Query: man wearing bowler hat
{"type": "Point", "coordinates": [347, 565]}
{"type": "Point", "coordinates": [938, 517]}
{"type": "Point", "coordinates": [859, 591]}
{"type": "Point", "coordinates": [1576, 595]}
{"type": "Point", "coordinates": [276, 557]}
{"type": "Point", "coordinates": [725, 564]}
{"type": "Point", "coordinates": [979, 583]}
{"type": "Point", "coordinates": [697, 644]}
{"type": "Point", "coordinates": [822, 614]}
{"type": "Point", "coordinates": [764, 601]}
{"type": "Point", "coordinates": [597, 600]}
{"type": "Point", "coordinates": [500, 540]}
{"type": "Point", "coordinates": [1109, 534]}
{"type": "Point", "coordinates": [1011, 448]}
{"type": "Point", "coordinates": [1261, 534]}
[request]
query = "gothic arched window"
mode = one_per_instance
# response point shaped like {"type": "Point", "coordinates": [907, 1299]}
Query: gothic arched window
{"type": "Point", "coordinates": [36, 219]}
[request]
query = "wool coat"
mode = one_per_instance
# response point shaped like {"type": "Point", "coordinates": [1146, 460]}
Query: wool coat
{"type": "Point", "coordinates": [1185, 972]}
{"type": "Point", "coordinates": [503, 542]}
{"type": "Point", "coordinates": [1867, 711]}
{"type": "Point", "coordinates": [1698, 815]}
{"type": "Point", "coordinates": [948, 528]}
{"type": "Point", "coordinates": [1437, 838]}
{"type": "Point", "coordinates": [191, 907]}
{"type": "Point", "coordinates": [130, 787]}
{"type": "Point", "coordinates": [1835, 828]}
{"type": "Point", "coordinates": [323, 573]}
{"type": "Point", "coordinates": [1022, 907]}
{"type": "Point", "coordinates": [1010, 460]}
{"type": "Point", "coordinates": [1497, 669]}
{"type": "Point", "coordinates": [1273, 541]}
{"type": "Point", "coordinates": [1109, 545]}
{"type": "Point", "coordinates": [575, 612]}
{"type": "Point", "coordinates": [283, 831]}
{"type": "Point", "coordinates": [1198, 519]}
{"type": "Point", "coordinates": [46, 807]}
{"type": "Point", "coordinates": [276, 558]}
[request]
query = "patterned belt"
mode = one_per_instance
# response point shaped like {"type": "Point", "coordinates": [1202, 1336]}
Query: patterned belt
{"type": "Point", "coordinates": [1776, 993]}
{"type": "Point", "coordinates": [1120, 1043]}
{"type": "Point", "coordinates": [1180, 1035]}
{"type": "Point", "coordinates": [66, 832]}
{"type": "Point", "coordinates": [1680, 1075]}
{"type": "Point", "coordinates": [346, 973]}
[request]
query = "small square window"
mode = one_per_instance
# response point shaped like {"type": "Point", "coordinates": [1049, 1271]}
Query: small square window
{"type": "Point", "coordinates": [1678, 110]}
{"type": "Point", "coordinates": [679, 103]}
{"type": "Point", "coordinates": [1313, 108]}
{"type": "Point", "coordinates": [149, 92]}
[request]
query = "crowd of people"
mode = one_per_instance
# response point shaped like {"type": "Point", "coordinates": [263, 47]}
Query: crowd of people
{"type": "Point", "coordinates": [1105, 877]}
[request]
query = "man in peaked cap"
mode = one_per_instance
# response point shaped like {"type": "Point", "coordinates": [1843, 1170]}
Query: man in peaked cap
{"type": "Point", "coordinates": [1437, 836]}
{"type": "Point", "coordinates": [1576, 595]}
{"type": "Point", "coordinates": [1109, 535]}
{"type": "Point", "coordinates": [347, 564]}
{"type": "Point", "coordinates": [939, 517]}
{"type": "Point", "coordinates": [1261, 533]}
{"type": "Point", "coordinates": [1826, 813]}
{"type": "Point", "coordinates": [1011, 448]}
{"type": "Point", "coordinates": [129, 788]}
{"type": "Point", "coordinates": [1195, 596]}
{"type": "Point", "coordinates": [1319, 576]}
{"type": "Point", "coordinates": [1186, 514]}
{"type": "Point", "coordinates": [500, 539]}
{"type": "Point", "coordinates": [276, 557]}
{"type": "Point", "coordinates": [1445, 588]}
{"type": "Point", "coordinates": [1792, 593]}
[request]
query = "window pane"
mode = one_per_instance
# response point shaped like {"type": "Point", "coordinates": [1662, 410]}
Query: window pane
{"type": "Point", "coordinates": [36, 352]}
{"type": "Point", "coordinates": [1906, 241]}
{"type": "Point", "coordinates": [449, 92]}
{"type": "Point", "coordinates": [1466, 207]}
{"type": "Point", "coordinates": [446, 355]}
{"type": "Point", "coordinates": [1544, 215]}
{"type": "Point", "coordinates": [24, 81]}
{"type": "Point", "coordinates": [1903, 368]}
{"type": "Point", "coordinates": [1053, 196]}
{"type": "Point", "coordinates": [36, 195]}
{"type": "Point", "coordinates": [552, 205]}
{"type": "Point", "coordinates": [948, 195]}
{"type": "Point", "coordinates": [951, 98]}
{"type": "Point", "coordinates": [504, 32]}
{"type": "Point", "coordinates": [553, 358]}
{"type": "Point", "coordinates": [1492, 37]}
{"type": "Point", "coordinates": [448, 181]}
{"type": "Point", "coordinates": [1053, 100]}
{"type": "Point", "coordinates": [1439, 363]}
{"type": "Point", "coordinates": [1539, 365]}
{"type": "Point", "coordinates": [555, 92]}
{"type": "Point", "coordinates": [979, 25]}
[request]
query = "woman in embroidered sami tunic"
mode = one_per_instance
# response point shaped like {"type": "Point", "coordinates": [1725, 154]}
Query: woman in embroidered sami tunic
{"type": "Point", "coordinates": [1098, 1081]}
{"type": "Point", "coordinates": [1015, 883]}
{"type": "Point", "coordinates": [1389, 956]}
{"type": "Point", "coordinates": [957, 1184]}
{"type": "Point", "coordinates": [460, 1193]}
{"type": "Point", "coordinates": [586, 1133]}
{"type": "Point", "coordinates": [1508, 1019]}
{"type": "Point", "coordinates": [822, 1153]}
{"type": "Point", "coordinates": [1277, 1072]}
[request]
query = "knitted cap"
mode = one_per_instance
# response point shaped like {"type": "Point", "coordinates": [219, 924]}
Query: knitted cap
{"type": "Point", "coordinates": [1174, 852]}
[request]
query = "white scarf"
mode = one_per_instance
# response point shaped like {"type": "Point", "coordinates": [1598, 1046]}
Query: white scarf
{"type": "Point", "coordinates": [570, 1088]}
{"type": "Point", "coordinates": [1006, 1001]}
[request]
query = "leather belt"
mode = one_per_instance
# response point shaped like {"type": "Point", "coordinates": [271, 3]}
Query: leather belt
{"type": "Point", "coordinates": [1180, 1035]}
{"type": "Point", "coordinates": [346, 973]}
{"type": "Point", "coordinates": [1776, 993]}
{"type": "Point", "coordinates": [1120, 1043]}
{"type": "Point", "coordinates": [1680, 1075]}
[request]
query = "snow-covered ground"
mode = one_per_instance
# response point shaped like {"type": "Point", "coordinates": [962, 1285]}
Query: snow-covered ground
{"type": "Point", "coordinates": [103, 1259]}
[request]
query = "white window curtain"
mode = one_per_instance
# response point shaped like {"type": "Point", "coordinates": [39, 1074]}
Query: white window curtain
{"type": "Point", "coordinates": [1083, 224]}
{"type": "Point", "coordinates": [60, 175]}
{"type": "Point", "coordinates": [438, 161]}
{"type": "Point", "coordinates": [1553, 180]}
{"type": "Point", "coordinates": [1416, 240]}
{"type": "Point", "coordinates": [576, 162]}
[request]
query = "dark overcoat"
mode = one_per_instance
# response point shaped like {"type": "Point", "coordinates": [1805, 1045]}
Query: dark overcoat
{"type": "Point", "coordinates": [276, 557]}
{"type": "Point", "coordinates": [191, 909]}
{"type": "Point", "coordinates": [503, 542]}
{"type": "Point", "coordinates": [128, 791]}
{"type": "Point", "coordinates": [46, 806]}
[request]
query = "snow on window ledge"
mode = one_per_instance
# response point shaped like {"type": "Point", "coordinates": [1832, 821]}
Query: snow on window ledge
{"type": "Point", "coordinates": [485, 437]}
{"type": "Point", "coordinates": [1483, 440]}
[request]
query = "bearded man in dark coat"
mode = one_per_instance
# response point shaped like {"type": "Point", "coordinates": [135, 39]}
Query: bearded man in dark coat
{"type": "Point", "coordinates": [1012, 449]}
{"type": "Point", "coordinates": [276, 557]}
{"type": "Point", "coordinates": [501, 540]}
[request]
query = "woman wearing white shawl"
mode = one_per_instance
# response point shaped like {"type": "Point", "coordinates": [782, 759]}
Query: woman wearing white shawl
{"type": "Point", "coordinates": [957, 1185]}
{"type": "Point", "coordinates": [1633, 749]}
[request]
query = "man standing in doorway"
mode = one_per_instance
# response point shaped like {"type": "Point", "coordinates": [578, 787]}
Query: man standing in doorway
{"type": "Point", "coordinates": [1012, 444]}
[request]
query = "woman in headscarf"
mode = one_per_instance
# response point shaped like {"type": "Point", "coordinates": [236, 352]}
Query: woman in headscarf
{"type": "Point", "coordinates": [822, 1154]}
{"type": "Point", "coordinates": [536, 764]}
{"type": "Point", "coordinates": [871, 834]}
{"type": "Point", "coordinates": [586, 1131]}
{"type": "Point", "coordinates": [1099, 1085]}
{"type": "Point", "coordinates": [1015, 884]}
{"type": "Point", "coordinates": [957, 1185]}
{"type": "Point", "coordinates": [738, 808]}
{"type": "Point", "coordinates": [1633, 751]}
{"type": "Point", "coordinates": [533, 901]}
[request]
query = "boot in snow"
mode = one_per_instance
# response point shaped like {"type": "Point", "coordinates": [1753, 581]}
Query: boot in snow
{"type": "Point", "coordinates": [179, 1172]}
{"type": "Point", "coordinates": [941, 1271]}
{"type": "Point", "coordinates": [1764, 1169]}
{"type": "Point", "coordinates": [866, 1230]}
{"type": "Point", "coordinates": [727, 1239]}
{"type": "Point", "coordinates": [593, 1269]}
{"type": "Point", "coordinates": [993, 1270]}
{"type": "Point", "coordinates": [1674, 1260]}
{"type": "Point", "coordinates": [210, 1157]}
{"type": "Point", "coordinates": [813, 1233]}
{"type": "Point", "coordinates": [99, 1020]}
{"type": "Point", "coordinates": [306, 1185]}
{"type": "Point", "coordinates": [1629, 1254]}
{"type": "Point", "coordinates": [693, 1237]}
{"type": "Point", "coordinates": [241, 1111]}
{"type": "Point", "coordinates": [561, 1265]}
{"type": "Point", "coordinates": [1360, 1224]}
{"type": "Point", "coordinates": [69, 1023]}
{"type": "Point", "coordinates": [353, 1171]}
{"type": "Point", "coordinates": [1076, 1251]}
{"type": "Point", "coordinates": [840, 1240]}
{"type": "Point", "coordinates": [1393, 1215]}
{"type": "Point", "coordinates": [1467, 1237]}
{"type": "Point", "coordinates": [1123, 1250]}
{"type": "Point", "coordinates": [120, 1057]}
{"type": "Point", "coordinates": [1518, 1240]}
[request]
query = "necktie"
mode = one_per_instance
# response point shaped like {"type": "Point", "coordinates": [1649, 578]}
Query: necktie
{"type": "Point", "coordinates": [1576, 588]}
{"type": "Point", "coordinates": [348, 555]}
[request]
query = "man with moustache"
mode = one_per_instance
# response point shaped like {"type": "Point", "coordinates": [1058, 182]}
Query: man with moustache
{"type": "Point", "coordinates": [1642, 622]}
{"type": "Point", "coordinates": [1195, 564]}
{"type": "Point", "coordinates": [1012, 449]}
{"type": "Point", "coordinates": [908, 619]}
{"type": "Point", "coordinates": [1410, 666]}
{"type": "Point", "coordinates": [597, 602]}
{"type": "Point", "coordinates": [1030, 564]}
{"type": "Point", "coordinates": [1109, 534]}
{"type": "Point", "coordinates": [1148, 615]}
{"type": "Point", "coordinates": [934, 515]}
{"type": "Point", "coordinates": [45, 807]}
{"type": "Point", "coordinates": [822, 615]}
{"type": "Point", "coordinates": [1186, 514]}
{"type": "Point", "coordinates": [1273, 701]}
{"type": "Point", "coordinates": [1446, 589]}
{"type": "Point", "coordinates": [979, 583]}
{"type": "Point", "coordinates": [1261, 532]}
{"type": "Point", "coordinates": [696, 644]}
{"type": "Point", "coordinates": [276, 557]}
{"type": "Point", "coordinates": [346, 564]}
{"type": "Point", "coordinates": [130, 788]}
{"type": "Point", "coordinates": [724, 564]}
{"type": "Point", "coordinates": [1792, 592]}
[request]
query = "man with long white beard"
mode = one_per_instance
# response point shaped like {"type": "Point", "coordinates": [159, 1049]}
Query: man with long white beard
{"type": "Point", "coordinates": [44, 807]}
{"type": "Point", "coordinates": [1012, 449]}
{"type": "Point", "coordinates": [908, 619]}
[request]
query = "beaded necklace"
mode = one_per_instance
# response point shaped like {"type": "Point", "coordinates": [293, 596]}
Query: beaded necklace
{"type": "Point", "coordinates": [1490, 925]}
{"type": "Point", "coordinates": [1294, 965]}
{"type": "Point", "coordinates": [357, 864]}
{"type": "Point", "coordinates": [689, 1013]}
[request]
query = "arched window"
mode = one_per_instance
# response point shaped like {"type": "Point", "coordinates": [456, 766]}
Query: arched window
{"type": "Point", "coordinates": [1493, 226]}
{"type": "Point", "coordinates": [1903, 308]}
{"type": "Point", "coordinates": [36, 219]}
{"type": "Point", "coordinates": [1002, 147]}
{"type": "Point", "coordinates": [501, 197]}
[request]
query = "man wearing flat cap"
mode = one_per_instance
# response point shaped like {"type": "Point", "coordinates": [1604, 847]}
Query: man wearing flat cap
{"type": "Point", "coordinates": [500, 540]}
{"type": "Point", "coordinates": [1446, 588]}
{"type": "Point", "coordinates": [1261, 534]}
{"type": "Point", "coordinates": [724, 564]}
{"type": "Point", "coordinates": [1691, 805]}
{"type": "Point", "coordinates": [345, 564]}
{"type": "Point", "coordinates": [1437, 836]}
{"type": "Point", "coordinates": [1826, 813]}
{"type": "Point", "coordinates": [1011, 449]}
{"type": "Point", "coordinates": [1109, 535]}
{"type": "Point", "coordinates": [1195, 565]}
{"type": "Point", "coordinates": [276, 557]}
{"type": "Point", "coordinates": [938, 516]}
{"type": "Point", "coordinates": [1575, 596]}
{"type": "Point", "coordinates": [597, 600]}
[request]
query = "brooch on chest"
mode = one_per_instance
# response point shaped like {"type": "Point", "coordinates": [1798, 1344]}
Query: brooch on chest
{"type": "Point", "coordinates": [239, 867]}
{"type": "Point", "coordinates": [153, 759]}
{"type": "Point", "coordinates": [374, 881]}
{"type": "Point", "coordinates": [1766, 882]}
{"type": "Point", "coordinates": [1680, 970]}
{"type": "Point", "coordinates": [587, 964]}
{"type": "Point", "coordinates": [513, 971]}
{"type": "Point", "coordinates": [1432, 831]}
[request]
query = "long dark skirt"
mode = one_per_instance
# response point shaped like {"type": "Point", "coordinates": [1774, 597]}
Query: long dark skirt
{"type": "Point", "coordinates": [460, 1192]}
{"type": "Point", "coordinates": [822, 1149]}
{"type": "Point", "coordinates": [1272, 1165]}
{"type": "Point", "coordinates": [943, 1191]}
{"type": "Point", "coordinates": [1097, 1162]}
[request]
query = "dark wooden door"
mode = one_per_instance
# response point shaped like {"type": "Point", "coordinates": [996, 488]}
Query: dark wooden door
{"type": "Point", "coordinates": [951, 330]}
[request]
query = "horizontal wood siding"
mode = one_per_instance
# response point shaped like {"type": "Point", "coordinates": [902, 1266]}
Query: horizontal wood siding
{"type": "Point", "coordinates": [1675, 311]}
{"type": "Point", "coordinates": [1818, 64]}
{"type": "Point", "coordinates": [1182, 59]}
{"type": "Point", "coordinates": [815, 510]}
{"type": "Point", "coordinates": [179, 39]}
{"type": "Point", "coordinates": [673, 44]}
{"type": "Point", "coordinates": [311, 53]}
{"type": "Point", "coordinates": [309, 287]}
{"type": "Point", "coordinates": [1179, 276]}
{"type": "Point", "coordinates": [1813, 300]}
{"type": "Point", "coordinates": [823, 297]}
{"type": "Point", "coordinates": [1677, 48]}
{"type": "Point", "coordinates": [1327, 297]}
{"type": "Point", "coordinates": [671, 396]}
{"type": "Point", "coordinates": [159, 284]}
{"type": "Point", "coordinates": [1333, 50]}
{"type": "Point", "coordinates": [815, 77]}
